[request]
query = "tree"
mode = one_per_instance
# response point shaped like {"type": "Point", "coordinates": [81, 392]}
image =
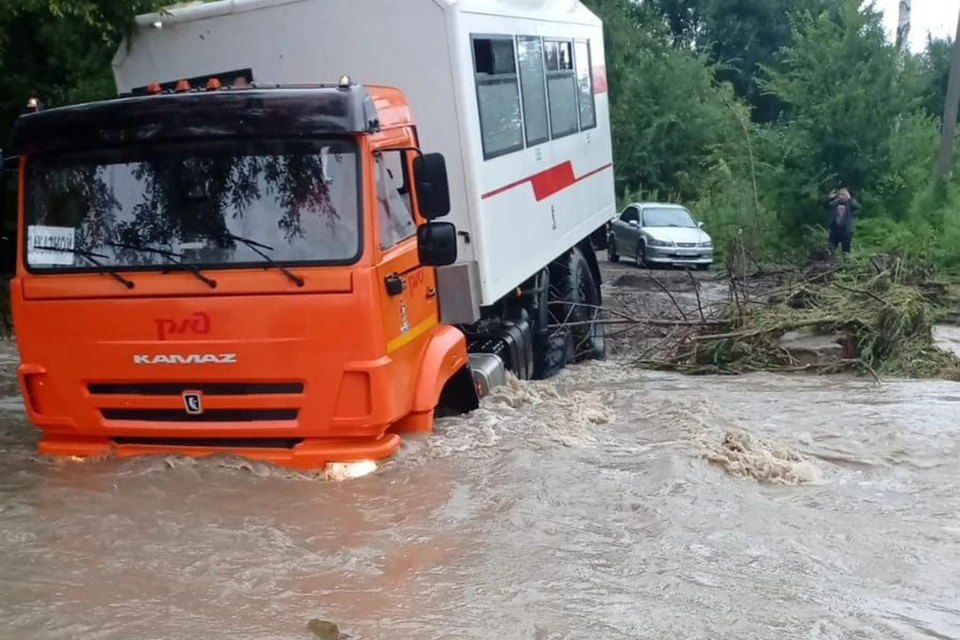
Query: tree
{"type": "Point", "coordinates": [740, 36]}
{"type": "Point", "coordinates": [949, 122]}
{"type": "Point", "coordinates": [666, 108]}
{"type": "Point", "coordinates": [837, 82]}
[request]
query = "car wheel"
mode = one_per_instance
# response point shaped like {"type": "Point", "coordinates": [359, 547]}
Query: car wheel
{"type": "Point", "coordinates": [641, 258]}
{"type": "Point", "coordinates": [612, 250]}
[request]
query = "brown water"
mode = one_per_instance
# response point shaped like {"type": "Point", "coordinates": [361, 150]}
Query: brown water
{"type": "Point", "coordinates": [602, 505]}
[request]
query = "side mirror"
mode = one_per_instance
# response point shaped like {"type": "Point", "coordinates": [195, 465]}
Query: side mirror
{"type": "Point", "coordinates": [635, 223]}
{"type": "Point", "coordinates": [433, 188]}
{"type": "Point", "coordinates": [700, 225]}
{"type": "Point", "coordinates": [437, 244]}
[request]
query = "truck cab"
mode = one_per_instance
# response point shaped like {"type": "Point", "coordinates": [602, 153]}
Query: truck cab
{"type": "Point", "coordinates": [211, 269]}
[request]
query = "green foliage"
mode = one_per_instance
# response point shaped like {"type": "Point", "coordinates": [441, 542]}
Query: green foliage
{"type": "Point", "coordinates": [59, 50]}
{"type": "Point", "coordinates": [818, 97]}
{"type": "Point", "coordinates": [666, 107]}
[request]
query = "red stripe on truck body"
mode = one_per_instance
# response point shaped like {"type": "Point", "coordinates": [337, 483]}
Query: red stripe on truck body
{"type": "Point", "coordinates": [548, 182]}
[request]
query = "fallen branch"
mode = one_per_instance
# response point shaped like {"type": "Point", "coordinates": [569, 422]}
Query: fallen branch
{"type": "Point", "coordinates": [640, 321]}
{"type": "Point", "coordinates": [696, 289]}
{"type": "Point", "coordinates": [786, 326]}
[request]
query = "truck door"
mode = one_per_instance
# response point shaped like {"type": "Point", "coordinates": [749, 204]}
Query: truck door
{"type": "Point", "coordinates": [409, 306]}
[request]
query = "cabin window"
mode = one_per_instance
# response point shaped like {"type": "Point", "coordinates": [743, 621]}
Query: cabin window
{"type": "Point", "coordinates": [498, 95]}
{"type": "Point", "coordinates": [393, 199]}
{"type": "Point", "coordinates": [533, 90]}
{"type": "Point", "coordinates": [562, 88]}
{"type": "Point", "coordinates": [588, 108]}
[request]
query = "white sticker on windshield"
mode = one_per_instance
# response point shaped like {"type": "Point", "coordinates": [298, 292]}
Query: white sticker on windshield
{"type": "Point", "coordinates": [39, 237]}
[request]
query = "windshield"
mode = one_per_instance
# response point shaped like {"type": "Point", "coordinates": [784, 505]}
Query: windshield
{"type": "Point", "coordinates": [300, 200]}
{"type": "Point", "coordinates": [667, 217]}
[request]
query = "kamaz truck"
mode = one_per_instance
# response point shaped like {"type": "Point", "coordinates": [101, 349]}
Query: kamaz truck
{"type": "Point", "coordinates": [305, 227]}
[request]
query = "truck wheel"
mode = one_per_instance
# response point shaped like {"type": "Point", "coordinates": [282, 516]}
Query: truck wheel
{"type": "Point", "coordinates": [577, 302]}
{"type": "Point", "coordinates": [552, 353]}
{"type": "Point", "coordinates": [553, 347]}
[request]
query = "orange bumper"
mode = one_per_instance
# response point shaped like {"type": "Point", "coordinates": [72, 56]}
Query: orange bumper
{"type": "Point", "coordinates": [307, 455]}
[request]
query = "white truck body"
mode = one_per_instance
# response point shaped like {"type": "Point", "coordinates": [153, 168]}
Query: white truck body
{"type": "Point", "coordinates": [519, 198]}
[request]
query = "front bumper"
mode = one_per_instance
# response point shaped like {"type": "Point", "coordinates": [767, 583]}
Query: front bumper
{"type": "Point", "coordinates": [304, 454]}
{"type": "Point", "coordinates": [679, 255]}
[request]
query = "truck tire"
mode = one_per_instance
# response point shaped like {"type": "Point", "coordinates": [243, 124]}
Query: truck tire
{"type": "Point", "coordinates": [553, 347]}
{"type": "Point", "coordinates": [552, 353]}
{"type": "Point", "coordinates": [577, 301]}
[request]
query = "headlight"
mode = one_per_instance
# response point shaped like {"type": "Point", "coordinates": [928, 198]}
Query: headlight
{"type": "Point", "coordinates": [708, 243]}
{"type": "Point", "coordinates": [657, 243]}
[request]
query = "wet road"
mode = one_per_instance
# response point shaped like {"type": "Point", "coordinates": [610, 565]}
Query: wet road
{"type": "Point", "coordinates": [603, 504]}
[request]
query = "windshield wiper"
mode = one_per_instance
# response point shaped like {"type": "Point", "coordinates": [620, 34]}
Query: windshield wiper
{"type": "Point", "coordinates": [256, 247]}
{"type": "Point", "coordinates": [92, 257]}
{"type": "Point", "coordinates": [173, 256]}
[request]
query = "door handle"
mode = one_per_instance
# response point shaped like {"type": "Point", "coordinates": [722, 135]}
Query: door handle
{"type": "Point", "coordinates": [395, 284]}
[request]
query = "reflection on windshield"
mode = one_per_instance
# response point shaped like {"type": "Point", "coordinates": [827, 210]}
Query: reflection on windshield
{"type": "Point", "coordinates": [195, 200]}
{"type": "Point", "coordinates": [667, 217]}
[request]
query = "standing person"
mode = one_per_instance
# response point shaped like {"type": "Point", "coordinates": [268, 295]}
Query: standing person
{"type": "Point", "coordinates": [843, 210]}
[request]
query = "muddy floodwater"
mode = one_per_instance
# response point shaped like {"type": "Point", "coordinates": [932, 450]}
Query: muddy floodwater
{"type": "Point", "coordinates": [607, 503]}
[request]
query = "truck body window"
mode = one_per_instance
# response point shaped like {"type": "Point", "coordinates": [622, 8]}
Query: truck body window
{"type": "Point", "coordinates": [393, 199]}
{"type": "Point", "coordinates": [588, 108]}
{"type": "Point", "coordinates": [498, 95]}
{"type": "Point", "coordinates": [562, 88]}
{"type": "Point", "coordinates": [533, 88]}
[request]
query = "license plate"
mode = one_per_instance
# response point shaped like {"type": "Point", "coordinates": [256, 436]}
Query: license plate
{"type": "Point", "coordinates": [686, 252]}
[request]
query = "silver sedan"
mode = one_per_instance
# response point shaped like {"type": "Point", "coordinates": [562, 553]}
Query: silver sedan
{"type": "Point", "coordinates": [657, 233]}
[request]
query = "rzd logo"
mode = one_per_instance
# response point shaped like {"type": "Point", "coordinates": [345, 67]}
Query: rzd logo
{"type": "Point", "coordinates": [197, 324]}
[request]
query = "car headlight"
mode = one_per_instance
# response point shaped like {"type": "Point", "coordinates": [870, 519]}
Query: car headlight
{"type": "Point", "coordinates": [708, 244]}
{"type": "Point", "coordinates": [657, 243]}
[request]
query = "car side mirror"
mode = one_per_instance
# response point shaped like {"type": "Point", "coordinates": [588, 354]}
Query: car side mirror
{"type": "Point", "coordinates": [433, 188]}
{"type": "Point", "coordinates": [635, 223]}
{"type": "Point", "coordinates": [437, 244]}
{"type": "Point", "coordinates": [700, 225]}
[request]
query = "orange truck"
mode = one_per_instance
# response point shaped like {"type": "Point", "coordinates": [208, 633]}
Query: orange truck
{"type": "Point", "coordinates": [232, 257]}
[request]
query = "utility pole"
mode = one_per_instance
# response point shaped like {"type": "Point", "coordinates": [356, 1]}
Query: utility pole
{"type": "Point", "coordinates": [948, 128]}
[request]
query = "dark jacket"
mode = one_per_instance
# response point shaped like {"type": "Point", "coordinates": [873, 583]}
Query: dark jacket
{"type": "Point", "coordinates": [842, 215]}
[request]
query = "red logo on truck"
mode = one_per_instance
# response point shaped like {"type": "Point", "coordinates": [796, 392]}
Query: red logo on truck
{"type": "Point", "coordinates": [197, 324]}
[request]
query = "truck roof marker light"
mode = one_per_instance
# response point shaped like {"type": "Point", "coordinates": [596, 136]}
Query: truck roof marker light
{"type": "Point", "coordinates": [154, 88]}
{"type": "Point", "coordinates": [213, 84]}
{"type": "Point", "coordinates": [34, 105]}
{"type": "Point", "coordinates": [182, 86]}
{"type": "Point", "coordinates": [344, 82]}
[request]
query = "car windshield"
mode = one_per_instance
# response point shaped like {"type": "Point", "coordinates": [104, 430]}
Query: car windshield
{"type": "Point", "coordinates": [667, 217]}
{"type": "Point", "coordinates": [197, 200]}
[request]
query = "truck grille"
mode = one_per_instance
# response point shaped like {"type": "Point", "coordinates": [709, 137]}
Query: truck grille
{"type": "Point", "coordinates": [206, 388]}
{"type": "Point", "coordinates": [210, 415]}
